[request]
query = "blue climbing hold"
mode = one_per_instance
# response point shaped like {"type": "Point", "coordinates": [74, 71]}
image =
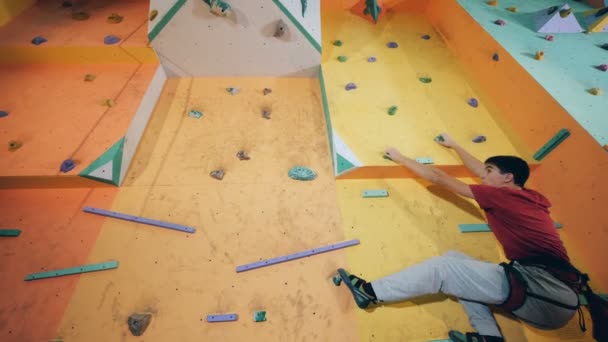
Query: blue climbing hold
{"type": "Point", "coordinates": [3, 113]}
{"type": "Point", "coordinates": [479, 139]}
{"type": "Point", "coordinates": [392, 45]}
{"type": "Point", "coordinates": [38, 40]}
{"type": "Point", "coordinates": [302, 173]}
{"type": "Point", "coordinates": [67, 165]}
{"type": "Point", "coordinates": [350, 86]}
{"type": "Point", "coordinates": [473, 102]}
{"type": "Point", "coordinates": [426, 37]}
{"type": "Point", "coordinates": [371, 59]}
{"type": "Point", "coordinates": [496, 57]}
{"type": "Point", "coordinates": [109, 40]}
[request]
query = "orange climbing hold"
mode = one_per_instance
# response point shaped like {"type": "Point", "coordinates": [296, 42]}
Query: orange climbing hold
{"type": "Point", "coordinates": [492, 3]}
{"type": "Point", "coordinates": [512, 9]}
{"type": "Point", "coordinates": [595, 91]}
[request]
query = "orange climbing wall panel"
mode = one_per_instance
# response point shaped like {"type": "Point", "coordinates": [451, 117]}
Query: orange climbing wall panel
{"type": "Point", "coordinates": [572, 175]}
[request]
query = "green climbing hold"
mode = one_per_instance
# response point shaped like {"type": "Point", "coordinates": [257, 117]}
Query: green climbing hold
{"type": "Point", "coordinates": [372, 8]}
{"type": "Point", "coordinates": [342, 58]}
{"type": "Point", "coordinates": [259, 316]}
{"type": "Point", "coordinates": [439, 138]}
{"type": "Point", "coordinates": [304, 7]}
{"type": "Point", "coordinates": [338, 43]}
{"type": "Point", "coordinates": [386, 157]}
{"type": "Point", "coordinates": [302, 173]}
{"type": "Point", "coordinates": [426, 79]}
{"type": "Point", "coordinates": [392, 110]}
{"type": "Point", "coordinates": [197, 114]}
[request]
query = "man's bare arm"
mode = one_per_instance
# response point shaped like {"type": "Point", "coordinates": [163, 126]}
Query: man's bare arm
{"type": "Point", "coordinates": [472, 163]}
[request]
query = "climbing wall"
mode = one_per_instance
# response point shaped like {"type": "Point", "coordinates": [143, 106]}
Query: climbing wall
{"type": "Point", "coordinates": [242, 43]}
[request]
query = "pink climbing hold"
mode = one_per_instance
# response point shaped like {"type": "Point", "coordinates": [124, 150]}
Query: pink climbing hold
{"type": "Point", "coordinates": [549, 37]}
{"type": "Point", "coordinates": [350, 86]}
{"type": "Point", "coordinates": [500, 22]}
{"type": "Point", "coordinates": [603, 67]}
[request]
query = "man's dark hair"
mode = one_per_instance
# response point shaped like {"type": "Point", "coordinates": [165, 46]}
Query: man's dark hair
{"type": "Point", "coordinates": [514, 165]}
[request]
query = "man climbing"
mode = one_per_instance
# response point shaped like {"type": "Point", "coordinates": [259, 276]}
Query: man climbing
{"type": "Point", "coordinates": [519, 218]}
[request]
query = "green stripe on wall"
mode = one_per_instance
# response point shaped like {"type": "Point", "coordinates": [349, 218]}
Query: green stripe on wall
{"type": "Point", "coordinates": [295, 21]}
{"type": "Point", "coordinates": [165, 19]}
{"type": "Point", "coordinates": [327, 117]}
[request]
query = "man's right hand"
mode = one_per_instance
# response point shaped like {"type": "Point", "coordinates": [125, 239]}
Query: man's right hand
{"type": "Point", "coordinates": [446, 140]}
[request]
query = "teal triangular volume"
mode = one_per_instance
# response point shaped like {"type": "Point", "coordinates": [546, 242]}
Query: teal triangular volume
{"type": "Point", "coordinates": [107, 167]}
{"type": "Point", "coordinates": [343, 164]}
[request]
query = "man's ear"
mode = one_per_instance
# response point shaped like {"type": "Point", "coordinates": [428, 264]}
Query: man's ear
{"type": "Point", "coordinates": [508, 177]}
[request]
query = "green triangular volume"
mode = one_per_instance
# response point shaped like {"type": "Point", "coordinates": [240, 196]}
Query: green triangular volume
{"type": "Point", "coordinates": [343, 164]}
{"type": "Point", "coordinates": [107, 167]}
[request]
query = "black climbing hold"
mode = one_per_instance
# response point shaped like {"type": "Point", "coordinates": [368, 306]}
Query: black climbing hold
{"type": "Point", "coordinates": [266, 114]}
{"type": "Point", "coordinates": [605, 46]}
{"type": "Point", "coordinates": [242, 155]}
{"type": "Point", "coordinates": [267, 91]}
{"type": "Point", "coordinates": [138, 323]}
{"type": "Point", "coordinates": [67, 165]}
{"type": "Point", "coordinates": [426, 37]}
{"type": "Point", "coordinates": [496, 57]}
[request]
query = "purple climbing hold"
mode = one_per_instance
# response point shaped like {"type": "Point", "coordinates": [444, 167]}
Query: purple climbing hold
{"type": "Point", "coordinates": [479, 139]}
{"type": "Point", "coordinates": [371, 59]}
{"type": "Point", "coordinates": [496, 57]}
{"type": "Point", "coordinates": [603, 67]}
{"type": "Point", "coordinates": [500, 22]}
{"type": "Point", "coordinates": [67, 165]}
{"type": "Point", "coordinates": [109, 40]}
{"type": "Point", "coordinates": [3, 113]}
{"type": "Point", "coordinates": [426, 37]}
{"type": "Point", "coordinates": [350, 86]}
{"type": "Point", "coordinates": [392, 45]}
{"type": "Point", "coordinates": [473, 102]}
{"type": "Point", "coordinates": [38, 40]}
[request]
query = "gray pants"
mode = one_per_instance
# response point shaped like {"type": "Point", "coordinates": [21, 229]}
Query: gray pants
{"type": "Point", "coordinates": [476, 284]}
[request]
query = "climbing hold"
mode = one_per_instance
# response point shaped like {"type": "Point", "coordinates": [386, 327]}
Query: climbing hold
{"type": "Point", "coordinates": [242, 155]}
{"type": "Point", "coordinates": [603, 67]}
{"type": "Point", "coordinates": [565, 12]}
{"type": "Point", "coordinates": [392, 110]}
{"type": "Point", "coordinates": [109, 102]}
{"type": "Point", "coordinates": [3, 113]}
{"type": "Point", "coordinates": [512, 9]}
{"type": "Point", "coordinates": [372, 8]}
{"type": "Point", "coordinates": [233, 91]}
{"type": "Point", "coordinates": [439, 138]}
{"type": "Point", "coordinates": [604, 46]}
{"type": "Point", "coordinates": [500, 22]}
{"type": "Point", "coordinates": [350, 86]}
{"type": "Point", "coordinates": [67, 165]}
{"type": "Point", "coordinates": [595, 91]}
{"type": "Point", "coordinates": [496, 57]}
{"type": "Point", "coordinates": [337, 279]}
{"type": "Point", "coordinates": [479, 139]}
{"type": "Point", "coordinates": [426, 79]}
{"type": "Point", "coordinates": [14, 145]}
{"type": "Point", "coordinates": [552, 10]}
{"type": "Point", "coordinates": [304, 6]}
{"type": "Point", "coordinates": [217, 174]}
{"type": "Point", "coordinates": [218, 7]}
{"type": "Point", "coordinates": [153, 14]}
{"type": "Point", "coordinates": [492, 3]}
{"type": "Point", "coordinates": [267, 91]}
{"type": "Point", "coordinates": [281, 29]}
{"type": "Point", "coordinates": [338, 43]}
{"type": "Point", "coordinates": [114, 18]}
{"type": "Point", "coordinates": [473, 102]}
{"type": "Point", "coordinates": [549, 37]}
{"type": "Point", "coordinates": [259, 316]}
{"type": "Point", "coordinates": [38, 40]}
{"type": "Point", "coordinates": [426, 37]}
{"type": "Point", "coordinates": [540, 55]}
{"type": "Point", "coordinates": [80, 15]}
{"type": "Point", "coordinates": [302, 173]}
{"type": "Point", "coordinates": [89, 77]}
{"type": "Point", "coordinates": [266, 114]}
{"type": "Point", "coordinates": [384, 156]}
{"type": "Point", "coordinates": [109, 40]}
{"type": "Point", "coordinates": [392, 45]}
{"type": "Point", "coordinates": [195, 114]}
{"type": "Point", "coordinates": [138, 323]}
{"type": "Point", "coordinates": [371, 59]}
{"type": "Point", "coordinates": [342, 58]}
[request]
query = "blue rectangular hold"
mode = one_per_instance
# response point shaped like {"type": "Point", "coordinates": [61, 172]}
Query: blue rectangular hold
{"type": "Point", "coordinates": [139, 219]}
{"type": "Point", "coordinates": [482, 227]}
{"type": "Point", "coordinates": [425, 160]}
{"type": "Point", "coordinates": [295, 256]}
{"type": "Point", "coordinates": [222, 318]}
{"type": "Point", "coordinates": [375, 193]}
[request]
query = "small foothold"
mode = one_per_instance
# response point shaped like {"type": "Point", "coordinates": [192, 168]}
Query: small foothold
{"type": "Point", "coordinates": [233, 91]}
{"type": "Point", "coordinates": [109, 40]}
{"type": "Point", "coordinates": [496, 57]}
{"type": "Point", "coordinates": [392, 45]}
{"type": "Point", "coordinates": [109, 102]}
{"type": "Point", "coordinates": [38, 40]}
{"type": "Point", "coordinates": [302, 173]}
{"type": "Point", "coordinates": [217, 174]}
{"type": "Point", "coordinates": [338, 43]}
{"type": "Point", "coordinates": [500, 22]}
{"type": "Point", "coordinates": [153, 15]}
{"type": "Point", "coordinates": [115, 18]}
{"type": "Point", "coordinates": [549, 37]}
{"type": "Point", "coordinates": [3, 113]}
{"type": "Point", "coordinates": [267, 91]}
{"type": "Point", "coordinates": [81, 15]}
{"type": "Point", "coordinates": [479, 139]}
{"type": "Point", "coordinates": [138, 323]}
{"type": "Point", "coordinates": [605, 46]}
{"type": "Point", "coordinates": [350, 86]}
{"type": "Point", "coordinates": [281, 29]}
{"type": "Point", "coordinates": [603, 67]}
{"type": "Point", "coordinates": [426, 79]}
{"type": "Point", "coordinates": [512, 9]}
{"type": "Point", "coordinates": [14, 145]}
{"type": "Point", "coordinates": [242, 155]}
{"type": "Point", "coordinates": [342, 58]}
{"type": "Point", "coordinates": [492, 3]}
{"type": "Point", "coordinates": [259, 316]}
{"type": "Point", "coordinates": [392, 110]}
{"type": "Point", "coordinates": [426, 37]}
{"type": "Point", "coordinates": [337, 280]}
{"type": "Point", "coordinates": [539, 56]}
{"type": "Point", "coordinates": [439, 138]}
{"type": "Point", "coordinates": [89, 77]}
{"type": "Point", "coordinates": [371, 59]}
{"type": "Point", "coordinates": [266, 114]}
{"type": "Point", "coordinates": [67, 165]}
{"type": "Point", "coordinates": [473, 102]}
{"type": "Point", "coordinates": [595, 91]}
{"type": "Point", "coordinates": [195, 114]}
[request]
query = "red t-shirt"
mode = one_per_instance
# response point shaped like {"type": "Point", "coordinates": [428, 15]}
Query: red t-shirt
{"type": "Point", "coordinates": [521, 222]}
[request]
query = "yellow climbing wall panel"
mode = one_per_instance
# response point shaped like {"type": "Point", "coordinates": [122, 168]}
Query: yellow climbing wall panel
{"type": "Point", "coordinates": [424, 109]}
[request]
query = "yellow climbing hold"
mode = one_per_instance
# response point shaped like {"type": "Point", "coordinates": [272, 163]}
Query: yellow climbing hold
{"type": "Point", "coordinates": [109, 103]}
{"type": "Point", "coordinates": [595, 91]}
{"type": "Point", "coordinates": [512, 9]}
{"type": "Point", "coordinates": [540, 55]}
{"type": "Point", "coordinates": [114, 18]}
{"type": "Point", "coordinates": [492, 3]}
{"type": "Point", "coordinates": [153, 14]}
